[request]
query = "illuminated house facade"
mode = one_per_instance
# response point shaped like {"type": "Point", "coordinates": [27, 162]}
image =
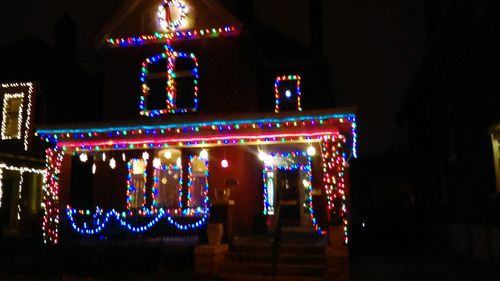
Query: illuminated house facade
{"type": "Point", "coordinates": [184, 127]}
{"type": "Point", "coordinates": [21, 163]}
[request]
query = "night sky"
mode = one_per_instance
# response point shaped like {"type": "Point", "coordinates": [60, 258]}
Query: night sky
{"type": "Point", "coordinates": [373, 49]}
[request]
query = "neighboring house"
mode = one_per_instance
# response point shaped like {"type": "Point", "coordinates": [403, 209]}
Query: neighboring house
{"type": "Point", "coordinates": [452, 116]}
{"type": "Point", "coordinates": [21, 161]}
{"type": "Point", "coordinates": [495, 143]}
{"type": "Point", "coordinates": [184, 124]}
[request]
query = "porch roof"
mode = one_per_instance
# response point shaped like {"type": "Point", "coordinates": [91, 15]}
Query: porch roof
{"type": "Point", "coordinates": [205, 130]}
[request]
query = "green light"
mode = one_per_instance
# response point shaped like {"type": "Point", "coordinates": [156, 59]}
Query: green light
{"type": "Point", "coordinates": [215, 123]}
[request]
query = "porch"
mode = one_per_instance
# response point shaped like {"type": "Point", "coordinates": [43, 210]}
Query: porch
{"type": "Point", "coordinates": [152, 180]}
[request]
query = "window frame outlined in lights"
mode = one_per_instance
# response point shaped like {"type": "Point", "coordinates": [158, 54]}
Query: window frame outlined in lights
{"type": "Point", "coordinates": [7, 116]}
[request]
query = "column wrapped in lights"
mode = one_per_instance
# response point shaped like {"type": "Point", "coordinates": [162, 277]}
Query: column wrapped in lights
{"type": "Point", "coordinates": [334, 180]}
{"type": "Point", "coordinates": [50, 200]}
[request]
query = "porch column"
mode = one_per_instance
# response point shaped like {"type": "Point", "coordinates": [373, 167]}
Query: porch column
{"type": "Point", "coordinates": [50, 223]}
{"type": "Point", "coordinates": [336, 185]}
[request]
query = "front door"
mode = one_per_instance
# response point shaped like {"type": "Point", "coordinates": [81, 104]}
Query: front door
{"type": "Point", "coordinates": [288, 196]}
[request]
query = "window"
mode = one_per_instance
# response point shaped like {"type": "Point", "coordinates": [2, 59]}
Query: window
{"type": "Point", "coordinates": [198, 183]}
{"type": "Point", "coordinates": [136, 184]}
{"type": "Point", "coordinates": [12, 115]}
{"type": "Point", "coordinates": [287, 93]}
{"type": "Point", "coordinates": [168, 187]}
{"type": "Point", "coordinates": [171, 91]}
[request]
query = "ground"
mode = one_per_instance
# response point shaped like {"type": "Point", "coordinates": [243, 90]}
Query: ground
{"type": "Point", "coordinates": [411, 259]}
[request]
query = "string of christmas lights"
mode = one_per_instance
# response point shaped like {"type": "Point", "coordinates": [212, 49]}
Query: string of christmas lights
{"type": "Point", "coordinates": [288, 94]}
{"type": "Point", "coordinates": [21, 171]}
{"type": "Point", "coordinates": [164, 16]}
{"type": "Point", "coordinates": [6, 117]}
{"type": "Point", "coordinates": [27, 121]}
{"type": "Point", "coordinates": [334, 179]}
{"type": "Point", "coordinates": [290, 164]}
{"type": "Point", "coordinates": [131, 188]}
{"type": "Point", "coordinates": [224, 126]}
{"type": "Point", "coordinates": [220, 132]}
{"type": "Point", "coordinates": [164, 37]}
{"type": "Point", "coordinates": [19, 195]}
{"type": "Point", "coordinates": [156, 179]}
{"type": "Point", "coordinates": [170, 55]}
{"type": "Point", "coordinates": [191, 183]}
{"type": "Point", "coordinates": [160, 142]}
{"type": "Point", "coordinates": [50, 200]}
{"type": "Point", "coordinates": [268, 180]}
{"type": "Point", "coordinates": [100, 219]}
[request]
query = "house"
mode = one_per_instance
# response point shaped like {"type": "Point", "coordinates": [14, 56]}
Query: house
{"type": "Point", "coordinates": [184, 132]}
{"type": "Point", "coordinates": [26, 105]}
{"type": "Point", "coordinates": [22, 165]}
{"type": "Point", "coordinates": [452, 118]}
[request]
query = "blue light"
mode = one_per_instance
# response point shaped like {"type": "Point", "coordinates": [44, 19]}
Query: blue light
{"type": "Point", "coordinates": [197, 124]}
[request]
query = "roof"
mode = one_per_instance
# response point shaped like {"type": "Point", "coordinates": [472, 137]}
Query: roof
{"type": "Point", "coordinates": [187, 120]}
{"type": "Point", "coordinates": [277, 49]}
{"type": "Point", "coordinates": [138, 19]}
{"type": "Point", "coordinates": [203, 130]}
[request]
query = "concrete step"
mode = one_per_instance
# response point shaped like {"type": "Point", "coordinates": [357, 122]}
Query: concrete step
{"type": "Point", "coordinates": [286, 238]}
{"type": "Point", "coordinates": [283, 249]}
{"type": "Point", "coordinates": [266, 258]}
{"type": "Point", "coordinates": [236, 277]}
{"type": "Point", "coordinates": [259, 269]}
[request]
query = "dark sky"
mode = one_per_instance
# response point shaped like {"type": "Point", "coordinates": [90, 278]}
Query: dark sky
{"type": "Point", "coordinates": [36, 17]}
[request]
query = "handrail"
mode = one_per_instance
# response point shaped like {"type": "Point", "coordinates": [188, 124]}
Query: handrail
{"type": "Point", "coordinates": [275, 243]}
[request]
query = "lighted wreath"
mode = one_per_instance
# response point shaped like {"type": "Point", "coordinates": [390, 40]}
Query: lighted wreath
{"type": "Point", "coordinates": [165, 16]}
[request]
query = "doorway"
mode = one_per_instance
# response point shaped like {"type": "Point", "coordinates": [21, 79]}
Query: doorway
{"type": "Point", "coordinates": [288, 196]}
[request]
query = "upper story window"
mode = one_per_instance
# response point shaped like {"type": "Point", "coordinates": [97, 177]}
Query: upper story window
{"type": "Point", "coordinates": [17, 101]}
{"type": "Point", "coordinates": [172, 91]}
{"type": "Point", "coordinates": [12, 116]}
{"type": "Point", "coordinates": [287, 93]}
